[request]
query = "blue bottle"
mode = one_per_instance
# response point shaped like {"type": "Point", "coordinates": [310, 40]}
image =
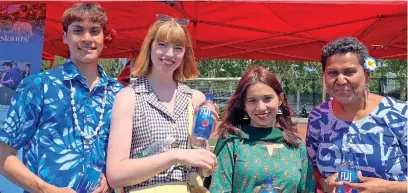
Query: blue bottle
{"type": "Point", "coordinates": [91, 178]}
{"type": "Point", "coordinates": [267, 186]}
{"type": "Point", "coordinates": [204, 122]}
{"type": "Point", "coordinates": [347, 172]}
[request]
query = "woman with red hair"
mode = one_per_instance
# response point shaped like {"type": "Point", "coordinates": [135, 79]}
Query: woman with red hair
{"type": "Point", "coordinates": [258, 140]}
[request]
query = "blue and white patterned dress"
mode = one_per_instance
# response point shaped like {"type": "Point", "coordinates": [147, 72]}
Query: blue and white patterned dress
{"type": "Point", "coordinates": [40, 120]}
{"type": "Point", "coordinates": [378, 141]}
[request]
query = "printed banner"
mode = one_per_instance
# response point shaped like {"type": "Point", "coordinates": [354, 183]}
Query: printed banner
{"type": "Point", "coordinates": [21, 43]}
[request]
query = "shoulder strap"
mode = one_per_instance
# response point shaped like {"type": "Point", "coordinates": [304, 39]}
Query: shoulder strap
{"type": "Point", "coordinates": [190, 121]}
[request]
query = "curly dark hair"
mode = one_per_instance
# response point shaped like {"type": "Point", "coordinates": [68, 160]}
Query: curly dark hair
{"type": "Point", "coordinates": [344, 45]}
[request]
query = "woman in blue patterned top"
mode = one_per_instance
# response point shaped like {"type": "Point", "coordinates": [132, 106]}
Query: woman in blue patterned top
{"type": "Point", "coordinates": [61, 117]}
{"type": "Point", "coordinates": [372, 127]}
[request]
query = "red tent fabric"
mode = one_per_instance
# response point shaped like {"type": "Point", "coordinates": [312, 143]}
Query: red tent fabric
{"type": "Point", "coordinates": [263, 30]}
{"type": "Point", "coordinates": [268, 30]}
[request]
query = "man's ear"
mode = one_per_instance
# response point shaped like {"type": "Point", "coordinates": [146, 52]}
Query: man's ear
{"type": "Point", "coordinates": [64, 37]}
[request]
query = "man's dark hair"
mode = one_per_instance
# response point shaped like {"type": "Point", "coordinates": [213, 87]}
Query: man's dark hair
{"type": "Point", "coordinates": [344, 45]}
{"type": "Point", "coordinates": [84, 11]}
{"type": "Point", "coordinates": [7, 64]}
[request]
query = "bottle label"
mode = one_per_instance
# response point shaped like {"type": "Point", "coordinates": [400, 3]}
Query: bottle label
{"type": "Point", "coordinates": [348, 175]}
{"type": "Point", "coordinates": [90, 181]}
{"type": "Point", "coordinates": [204, 112]}
{"type": "Point", "coordinates": [88, 186]}
{"type": "Point", "coordinates": [91, 186]}
{"type": "Point", "coordinates": [203, 125]}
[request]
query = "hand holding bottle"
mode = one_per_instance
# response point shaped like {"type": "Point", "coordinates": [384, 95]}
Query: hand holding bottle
{"type": "Point", "coordinates": [103, 186]}
{"type": "Point", "coordinates": [347, 172]}
{"type": "Point", "coordinates": [92, 178]}
{"type": "Point", "coordinates": [267, 186]}
{"type": "Point", "coordinates": [196, 158]}
{"type": "Point", "coordinates": [370, 185]}
{"type": "Point", "coordinates": [330, 184]}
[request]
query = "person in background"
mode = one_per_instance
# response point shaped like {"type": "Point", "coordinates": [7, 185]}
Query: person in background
{"type": "Point", "coordinates": [61, 118]}
{"type": "Point", "coordinates": [373, 128]}
{"type": "Point", "coordinates": [258, 140]}
{"type": "Point", "coordinates": [12, 77]}
{"type": "Point", "coordinates": [26, 71]}
{"type": "Point", "coordinates": [8, 83]}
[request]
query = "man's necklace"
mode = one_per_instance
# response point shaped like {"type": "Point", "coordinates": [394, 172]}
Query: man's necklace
{"type": "Point", "coordinates": [96, 131]}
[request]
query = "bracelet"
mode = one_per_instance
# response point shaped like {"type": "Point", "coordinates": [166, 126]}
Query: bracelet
{"type": "Point", "coordinates": [198, 147]}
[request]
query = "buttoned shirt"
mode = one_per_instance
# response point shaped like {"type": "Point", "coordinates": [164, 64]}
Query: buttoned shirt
{"type": "Point", "coordinates": [40, 120]}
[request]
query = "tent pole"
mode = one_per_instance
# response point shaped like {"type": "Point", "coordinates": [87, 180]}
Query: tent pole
{"type": "Point", "coordinates": [195, 25]}
{"type": "Point", "coordinates": [52, 63]}
{"type": "Point", "coordinates": [323, 91]}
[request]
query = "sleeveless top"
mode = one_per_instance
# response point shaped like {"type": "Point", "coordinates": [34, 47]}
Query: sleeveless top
{"type": "Point", "coordinates": [152, 122]}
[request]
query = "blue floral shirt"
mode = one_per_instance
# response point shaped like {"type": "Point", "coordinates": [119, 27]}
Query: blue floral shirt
{"type": "Point", "coordinates": [40, 120]}
{"type": "Point", "coordinates": [378, 141]}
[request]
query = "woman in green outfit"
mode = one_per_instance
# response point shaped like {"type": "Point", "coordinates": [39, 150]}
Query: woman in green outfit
{"type": "Point", "coordinates": [258, 140]}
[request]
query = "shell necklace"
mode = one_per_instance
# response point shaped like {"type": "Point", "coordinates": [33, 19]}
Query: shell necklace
{"type": "Point", "coordinates": [96, 131]}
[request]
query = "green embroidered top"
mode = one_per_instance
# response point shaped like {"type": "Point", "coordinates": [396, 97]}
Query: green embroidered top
{"type": "Point", "coordinates": [244, 162]}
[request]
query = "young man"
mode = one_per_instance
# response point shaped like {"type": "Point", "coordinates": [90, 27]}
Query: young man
{"type": "Point", "coordinates": [61, 117]}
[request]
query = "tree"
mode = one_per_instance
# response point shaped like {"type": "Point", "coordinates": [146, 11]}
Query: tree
{"type": "Point", "coordinates": [399, 68]}
{"type": "Point", "coordinates": [222, 67]}
{"type": "Point", "coordinates": [302, 76]}
{"type": "Point", "coordinates": [58, 61]}
{"type": "Point", "coordinates": [112, 67]}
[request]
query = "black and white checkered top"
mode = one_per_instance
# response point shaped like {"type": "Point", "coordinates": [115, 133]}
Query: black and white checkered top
{"type": "Point", "coordinates": [152, 121]}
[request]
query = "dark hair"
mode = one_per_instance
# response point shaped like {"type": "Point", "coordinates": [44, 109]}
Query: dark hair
{"type": "Point", "coordinates": [344, 45]}
{"type": "Point", "coordinates": [28, 65]}
{"type": "Point", "coordinates": [234, 113]}
{"type": "Point", "coordinates": [84, 11]}
{"type": "Point", "coordinates": [7, 64]}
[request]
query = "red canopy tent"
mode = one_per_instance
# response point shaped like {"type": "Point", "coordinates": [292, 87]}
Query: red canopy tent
{"type": "Point", "coordinates": [268, 30]}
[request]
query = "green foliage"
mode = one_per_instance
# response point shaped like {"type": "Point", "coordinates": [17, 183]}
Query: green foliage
{"type": "Point", "coordinates": [303, 76]}
{"type": "Point", "coordinates": [221, 111]}
{"type": "Point", "coordinates": [112, 67]}
{"type": "Point", "coordinates": [58, 61]}
{"type": "Point", "coordinates": [222, 67]}
{"type": "Point", "coordinates": [399, 68]}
